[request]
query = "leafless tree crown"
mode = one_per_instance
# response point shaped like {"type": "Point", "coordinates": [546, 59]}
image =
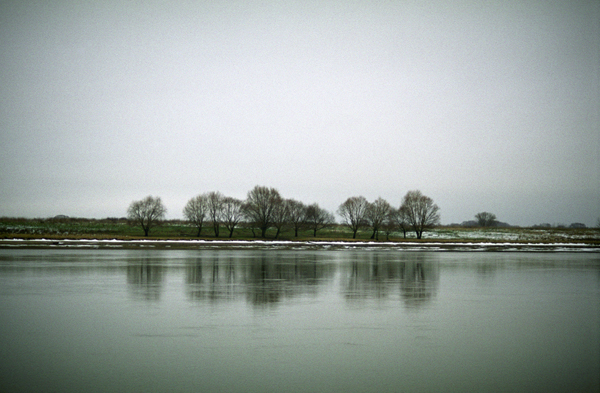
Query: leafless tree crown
{"type": "Point", "coordinates": [353, 212]}
{"type": "Point", "coordinates": [148, 212]}
{"type": "Point", "coordinates": [420, 211]}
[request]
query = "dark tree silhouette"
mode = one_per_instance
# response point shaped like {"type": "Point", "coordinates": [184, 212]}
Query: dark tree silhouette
{"type": "Point", "coordinates": [485, 219]}
{"type": "Point", "coordinates": [421, 212]}
{"type": "Point", "coordinates": [195, 211]}
{"type": "Point", "coordinates": [353, 212]}
{"type": "Point", "coordinates": [281, 214]}
{"type": "Point", "coordinates": [214, 202]}
{"type": "Point", "coordinates": [148, 212]}
{"type": "Point", "coordinates": [259, 207]}
{"type": "Point", "coordinates": [297, 214]}
{"type": "Point", "coordinates": [376, 214]}
{"type": "Point", "coordinates": [318, 218]}
{"type": "Point", "coordinates": [231, 213]}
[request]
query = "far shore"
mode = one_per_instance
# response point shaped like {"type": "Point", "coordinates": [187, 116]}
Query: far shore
{"type": "Point", "coordinates": [54, 242]}
{"type": "Point", "coordinates": [122, 234]}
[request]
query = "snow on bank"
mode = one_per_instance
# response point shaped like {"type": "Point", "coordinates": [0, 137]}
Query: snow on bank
{"type": "Point", "coordinates": [305, 245]}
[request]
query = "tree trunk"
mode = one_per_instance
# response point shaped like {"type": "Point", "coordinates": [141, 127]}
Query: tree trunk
{"type": "Point", "coordinates": [263, 232]}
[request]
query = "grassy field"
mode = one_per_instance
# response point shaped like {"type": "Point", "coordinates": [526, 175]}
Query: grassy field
{"type": "Point", "coordinates": [112, 228]}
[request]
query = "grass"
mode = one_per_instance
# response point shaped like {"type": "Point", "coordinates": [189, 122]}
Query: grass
{"type": "Point", "coordinates": [120, 228]}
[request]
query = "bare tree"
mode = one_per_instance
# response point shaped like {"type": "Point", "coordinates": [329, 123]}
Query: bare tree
{"type": "Point", "coordinates": [401, 218]}
{"type": "Point", "coordinates": [196, 210]}
{"type": "Point", "coordinates": [297, 214]}
{"type": "Point", "coordinates": [376, 214]}
{"type": "Point", "coordinates": [281, 215]}
{"type": "Point", "coordinates": [353, 212]}
{"type": "Point", "coordinates": [259, 207]}
{"type": "Point", "coordinates": [485, 219]}
{"type": "Point", "coordinates": [395, 220]}
{"type": "Point", "coordinates": [148, 212]}
{"type": "Point", "coordinates": [214, 202]}
{"type": "Point", "coordinates": [318, 218]}
{"type": "Point", "coordinates": [231, 213]}
{"type": "Point", "coordinates": [421, 212]}
{"type": "Point", "coordinates": [390, 224]}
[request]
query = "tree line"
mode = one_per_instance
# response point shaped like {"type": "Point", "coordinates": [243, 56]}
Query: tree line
{"type": "Point", "coordinates": [264, 208]}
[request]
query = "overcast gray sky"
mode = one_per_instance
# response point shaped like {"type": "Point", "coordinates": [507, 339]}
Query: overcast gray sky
{"type": "Point", "coordinates": [481, 105]}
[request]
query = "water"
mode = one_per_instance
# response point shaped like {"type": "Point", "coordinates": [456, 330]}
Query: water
{"type": "Point", "coordinates": [298, 321]}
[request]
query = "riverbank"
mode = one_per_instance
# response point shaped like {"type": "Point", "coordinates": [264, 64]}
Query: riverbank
{"type": "Point", "coordinates": [428, 245]}
{"type": "Point", "coordinates": [119, 233]}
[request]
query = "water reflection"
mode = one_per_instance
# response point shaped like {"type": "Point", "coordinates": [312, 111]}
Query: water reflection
{"type": "Point", "coordinates": [418, 281]}
{"type": "Point", "coordinates": [412, 277]}
{"type": "Point", "coordinates": [145, 278]}
{"type": "Point", "coordinates": [334, 321]}
{"type": "Point", "coordinates": [265, 279]}
{"type": "Point", "coordinates": [486, 270]}
{"type": "Point", "coordinates": [213, 279]}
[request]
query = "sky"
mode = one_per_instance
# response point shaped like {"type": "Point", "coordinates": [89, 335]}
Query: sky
{"type": "Point", "coordinates": [490, 105]}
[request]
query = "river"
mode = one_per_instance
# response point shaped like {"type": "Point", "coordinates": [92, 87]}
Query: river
{"type": "Point", "coordinates": [143, 320]}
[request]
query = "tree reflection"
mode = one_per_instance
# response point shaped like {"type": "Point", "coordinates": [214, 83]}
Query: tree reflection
{"type": "Point", "coordinates": [379, 276]}
{"type": "Point", "coordinates": [273, 277]}
{"type": "Point", "coordinates": [486, 270]}
{"type": "Point", "coordinates": [371, 277]}
{"type": "Point", "coordinates": [418, 281]}
{"type": "Point", "coordinates": [263, 280]}
{"type": "Point", "coordinates": [213, 279]}
{"type": "Point", "coordinates": [145, 278]}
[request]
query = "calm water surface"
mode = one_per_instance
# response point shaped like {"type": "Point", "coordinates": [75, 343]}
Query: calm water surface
{"type": "Point", "coordinates": [298, 321]}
